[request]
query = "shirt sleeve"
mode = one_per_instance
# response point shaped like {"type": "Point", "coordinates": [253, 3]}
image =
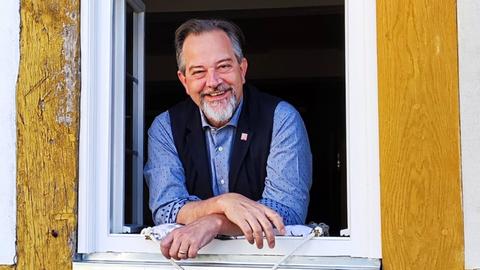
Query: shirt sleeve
{"type": "Point", "coordinates": [164, 173]}
{"type": "Point", "coordinates": [289, 166]}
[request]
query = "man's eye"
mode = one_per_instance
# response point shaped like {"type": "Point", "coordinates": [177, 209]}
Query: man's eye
{"type": "Point", "coordinates": [224, 67]}
{"type": "Point", "coordinates": [198, 73]}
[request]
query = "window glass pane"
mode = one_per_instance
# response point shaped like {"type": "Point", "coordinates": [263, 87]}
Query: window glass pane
{"type": "Point", "coordinates": [130, 150]}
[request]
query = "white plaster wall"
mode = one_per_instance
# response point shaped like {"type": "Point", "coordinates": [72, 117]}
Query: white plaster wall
{"type": "Point", "coordinates": [469, 67]}
{"type": "Point", "coordinates": [9, 60]}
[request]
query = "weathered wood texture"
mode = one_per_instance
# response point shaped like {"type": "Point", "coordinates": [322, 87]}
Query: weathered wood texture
{"type": "Point", "coordinates": [47, 132]}
{"type": "Point", "coordinates": [422, 225]}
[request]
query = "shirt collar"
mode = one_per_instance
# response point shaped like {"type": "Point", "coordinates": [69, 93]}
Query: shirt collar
{"type": "Point", "coordinates": [233, 121]}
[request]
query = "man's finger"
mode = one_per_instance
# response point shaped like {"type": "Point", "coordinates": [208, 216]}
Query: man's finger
{"type": "Point", "coordinates": [183, 250]}
{"type": "Point", "coordinates": [257, 229]}
{"type": "Point", "coordinates": [261, 213]}
{"type": "Point", "coordinates": [193, 250]}
{"type": "Point", "coordinates": [165, 245]}
{"type": "Point", "coordinates": [268, 230]}
{"type": "Point", "coordinates": [174, 248]}
{"type": "Point", "coordinates": [277, 220]}
{"type": "Point", "coordinates": [246, 230]}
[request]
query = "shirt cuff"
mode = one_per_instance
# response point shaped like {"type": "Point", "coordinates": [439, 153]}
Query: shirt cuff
{"type": "Point", "coordinates": [168, 213]}
{"type": "Point", "coordinates": [289, 217]}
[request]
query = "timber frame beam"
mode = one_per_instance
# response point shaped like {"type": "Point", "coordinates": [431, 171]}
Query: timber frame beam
{"type": "Point", "coordinates": [422, 220]}
{"type": "Point", "coordinates": [48, 91]}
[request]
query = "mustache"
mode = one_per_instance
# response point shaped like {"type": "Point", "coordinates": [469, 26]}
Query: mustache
{"type": "Point", "coordinates": [221, 87]}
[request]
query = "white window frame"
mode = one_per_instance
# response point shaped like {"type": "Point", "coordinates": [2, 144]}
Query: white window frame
{"type": "Point", "coordinates": [362, 145]}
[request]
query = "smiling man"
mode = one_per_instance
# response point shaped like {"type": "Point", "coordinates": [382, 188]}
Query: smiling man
{"type": "Point", "coordinates": [229, 160]}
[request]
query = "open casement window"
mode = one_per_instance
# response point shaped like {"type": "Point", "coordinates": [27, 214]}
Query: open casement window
{"type": "Point", "coordinates": [127, 122]}
{"type": "Point", "coordinates": [112, 117]}
{"type": "Point", "coordinates": [111, 199]}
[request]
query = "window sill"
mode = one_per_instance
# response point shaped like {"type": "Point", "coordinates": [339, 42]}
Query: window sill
{"type": "Point", "coordinates": [318, 246]}
{"type": "Point", "coordinates": [146, 261]}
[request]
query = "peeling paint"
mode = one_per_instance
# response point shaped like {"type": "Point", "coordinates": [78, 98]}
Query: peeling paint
{"type": "Point", "coordinates": [72, 242]}
{"type": "Point", "coordinates": [70, 68]}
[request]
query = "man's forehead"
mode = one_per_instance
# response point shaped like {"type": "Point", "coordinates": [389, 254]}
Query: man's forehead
{"type": "Point", "coordinates": [211, 34]}
{"type": "Point", "coordinates": [212, 46]}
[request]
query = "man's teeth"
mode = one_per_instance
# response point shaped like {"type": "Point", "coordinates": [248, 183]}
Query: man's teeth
{"type": "Point", "coordinates": [214, 94]}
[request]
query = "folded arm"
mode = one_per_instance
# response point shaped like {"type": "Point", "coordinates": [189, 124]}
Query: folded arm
{"type": "Point", "coordinates": [285, 198]}
{"type": "Point", "coordinates": [229, 214]}
{"type": "Point", "coordinates": [170, 201]}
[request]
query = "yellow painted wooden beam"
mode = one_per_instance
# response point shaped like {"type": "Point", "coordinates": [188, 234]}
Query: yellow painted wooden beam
{"type": "Point", "coordinates": [48, 91]}
{"type": "Point", "coordinates": [422, 223]}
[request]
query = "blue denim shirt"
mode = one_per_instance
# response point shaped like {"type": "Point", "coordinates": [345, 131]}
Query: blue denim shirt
{"type": "Point", "coordinates": [289, 166]}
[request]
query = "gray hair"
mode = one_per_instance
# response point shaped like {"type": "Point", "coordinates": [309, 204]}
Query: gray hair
{"type": "Point", "coordinates": [197, 26]}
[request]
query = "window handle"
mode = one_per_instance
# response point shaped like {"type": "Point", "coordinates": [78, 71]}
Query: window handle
{"type": "Point", "coordinates": [132, 152]}
{"type": "Point", "coordinates": [132, 78]}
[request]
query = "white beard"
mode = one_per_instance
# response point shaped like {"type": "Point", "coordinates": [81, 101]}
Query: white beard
{"type": "Point", "coordinates": [219, 112]}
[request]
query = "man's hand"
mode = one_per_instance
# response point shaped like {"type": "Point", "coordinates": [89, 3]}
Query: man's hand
{"type": "Point", "coordinates": [245, 216]}
{"type": "Point", "coordinates": [254, 219]}
{"type": "Point", "coordinates": [184, 242]}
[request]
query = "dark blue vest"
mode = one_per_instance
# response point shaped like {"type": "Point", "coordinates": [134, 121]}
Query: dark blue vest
{"type": "Point", "coordinates": [248, 157]}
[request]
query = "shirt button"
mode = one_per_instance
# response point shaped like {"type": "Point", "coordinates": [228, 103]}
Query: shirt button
{"type": "Point", "coordinates": [221, 181]}
{"type": "Point", "coordinates": [220, 149]}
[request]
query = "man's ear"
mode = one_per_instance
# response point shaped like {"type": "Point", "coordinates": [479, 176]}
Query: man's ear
{"type": "Point", "coordinates": [243, 68]}
{"type": "Point", "coordinates": [183, 80]}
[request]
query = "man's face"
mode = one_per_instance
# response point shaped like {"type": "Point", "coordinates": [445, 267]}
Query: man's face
{"type": "Point", "coordinates": [213, 77]}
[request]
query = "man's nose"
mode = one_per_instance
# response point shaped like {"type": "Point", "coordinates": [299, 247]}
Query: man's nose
{"type": "Point", "coordinates": [213, 79]}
